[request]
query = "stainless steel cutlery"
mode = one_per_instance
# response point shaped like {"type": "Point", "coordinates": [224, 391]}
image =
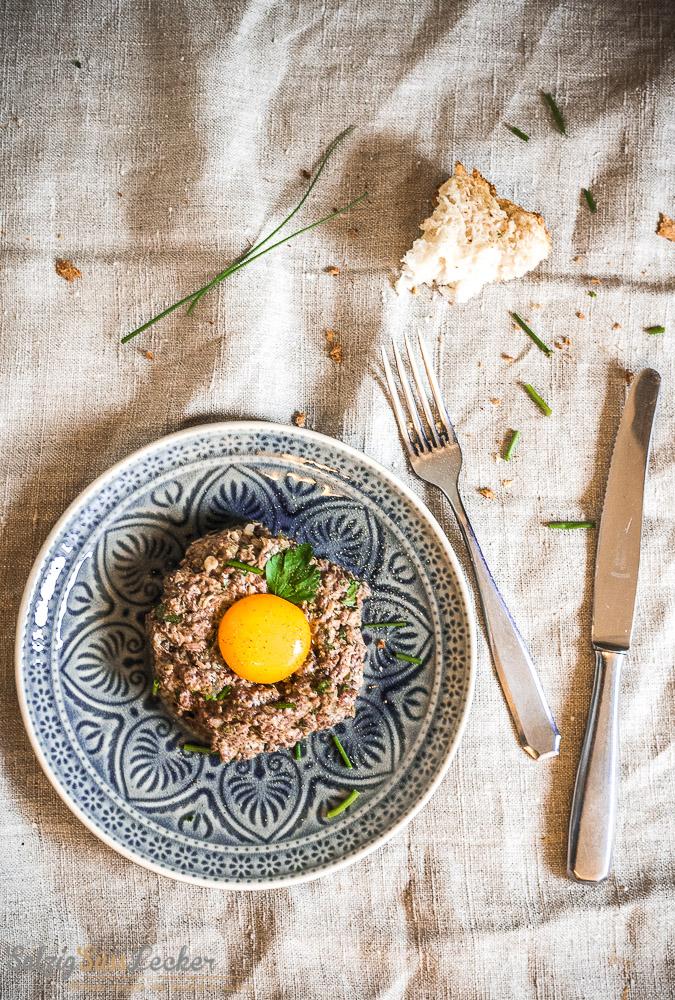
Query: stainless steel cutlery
{"type": "Point", "coordinates": [435, 455]}
{"type": "Point", "coordinates": [592, 821]}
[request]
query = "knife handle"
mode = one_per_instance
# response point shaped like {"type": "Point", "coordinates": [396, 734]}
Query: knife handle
{"type": "Point", "coordinates": [593, 817]}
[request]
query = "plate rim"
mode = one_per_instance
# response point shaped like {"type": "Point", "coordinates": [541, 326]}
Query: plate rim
{"type": "Point", "coordinates": [234, 426]}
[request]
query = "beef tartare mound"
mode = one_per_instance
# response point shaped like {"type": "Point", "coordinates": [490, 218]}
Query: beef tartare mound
{"type": "Point", "coordinates": [294, 658]}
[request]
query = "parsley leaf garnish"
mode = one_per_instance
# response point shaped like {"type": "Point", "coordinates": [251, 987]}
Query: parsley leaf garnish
{"type": "Point", "coordinates": [292, 575]}
{"type": "Point", "coordinates": [349, 600]}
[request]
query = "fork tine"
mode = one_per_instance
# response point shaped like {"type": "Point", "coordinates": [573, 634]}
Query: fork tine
{"type": "Point", "coordinates": [436, 390]}
{"type": "Point", "coordinates": [422, 392]}
{"type": "Point", "coordinates": [425, 444]}
{"type": "Point", "coordinates": [408, 441]}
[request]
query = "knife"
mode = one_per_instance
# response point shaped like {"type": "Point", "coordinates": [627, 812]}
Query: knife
{"type": "Point", "coordinates": [617, 561]}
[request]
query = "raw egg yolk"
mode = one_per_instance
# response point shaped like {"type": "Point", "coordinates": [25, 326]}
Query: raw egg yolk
{"type": "Point", "coordinates": [264, 638]}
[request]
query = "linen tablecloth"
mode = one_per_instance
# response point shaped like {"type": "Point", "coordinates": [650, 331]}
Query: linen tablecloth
{"type": "Point", "coordinates": [148, 143]}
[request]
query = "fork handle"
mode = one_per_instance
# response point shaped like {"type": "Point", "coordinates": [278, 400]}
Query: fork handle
{"type": "Point", "coordinates": [522, 689]}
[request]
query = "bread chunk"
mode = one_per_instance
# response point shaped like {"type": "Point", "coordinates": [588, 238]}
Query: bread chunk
{"type": "Point", "coordinates": [473, 238]}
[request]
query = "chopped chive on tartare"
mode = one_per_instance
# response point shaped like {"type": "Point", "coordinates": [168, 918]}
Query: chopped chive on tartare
{"type": "Point", "coordinates": [297, 751]}
{"type": "Point", "coordinates": [536, 398]}
{"type": "Point", "coordinates": [655, 329]}
{"type": "Point", "coordinates": [396, 624]}
{"type": "Point", "coordinates": [511, 446]}
{"type": "Point", "coordinates": [162, 615]}
{"type": "Point", "coordinates": [405, 658]}
{"type": "Point", "coordinates": [590, 200]}
{"type": "Point", "coordinates": [532, 335]}
{"type": "Point", "coordinates": [322, 686]}
{"type": "Point", "coordinates": [519, 132]}
{"type": "Point", "coordinates": [556, 113]}
{"type": "Point", "coordinates": [282, 704]}
{"type": "Point", "coordinates": [196, 748]}
{"type": "Point", "coordinates": [345, 804]}
{"type": "Point", "coordinates": [245, 567]}
{"type": "Point", "coordinates": [569, 525]}
{"type": "Point", "coordinates": [155, 686]}
{"type": "Point", "coordinates": [341, 750]}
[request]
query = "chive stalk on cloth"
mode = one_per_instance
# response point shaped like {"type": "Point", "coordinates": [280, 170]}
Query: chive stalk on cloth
{"type": "Point", "coordinates": [324, 160]}
{"type": "Point", "coordinates": [297, 751]}
{"type": "Point", "coordinates": [536, 398]}
{"type": "Point", "coordinates": [246, 567]}
{"type": "Point", "coordinates": [345, 804]}
{"type": "Point", "coordinates": [511, 446]}
{"type": "Point", "coordinates": [655, 329]}
{"type": "Point", "coordinates": [556, 113]}
{"type": "Point", "coordinates": [343, 753]}
{"type": "Point", "coordinates": [196, 748]}
{"type": "Point", "coordinates": [406, 658]}
{"type": "Point", "coordinates": [400, 624]}
{"type": "Point", "coordinates": [254, 252]}
{"type": "Point", "coordinates": [519, 132]}
{"type": "Point", "coordinates": [569, 525]}
{"type": "Point", "coordinates": [590, 200]}
{"type": "Point", "coordinates": [532, 335]}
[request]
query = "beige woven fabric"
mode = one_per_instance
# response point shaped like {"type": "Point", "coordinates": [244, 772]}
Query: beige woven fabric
{"type": "Point", "coordinates": [178, 137]}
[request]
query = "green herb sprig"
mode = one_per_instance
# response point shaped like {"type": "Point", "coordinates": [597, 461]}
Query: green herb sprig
{"type": "Point", "coordinates": [519, 132]}
{"type": "Point", "coordinates": [196, 748]}
{"type": "Point", "coordinates": [511, 446]}
{"type": "Point", "coordinates": [556, 113]}
{"type": "Point", "coordinates": [654, 330]}
{"type": "Point", "coordinates": [406, 658]}
{"type": "Point", "coordinates": [162, 615]}
{"type": "Point", "coordinates": [345, 804]}
{"type": "Point", "coordinates": [260, 248]}
{"type": "Point", "coordinates": [349, 600]}
{"type": "Point", "coordinates": [532, 335]}
{"type": "Point", "coordinates": [569, 525]}
{"type": "Point", "coordinates": [244, 567]}
{"type": "Point", "coordinates": [291, 574]}
{"type": "Point", "coordinates": [590, 200]}
{"type": "Point", "coordinates": [373, 625]}
{"type": "Point", "coordinates": [343, 753]}
{"type": "Point", "coordinates": [536, 398]}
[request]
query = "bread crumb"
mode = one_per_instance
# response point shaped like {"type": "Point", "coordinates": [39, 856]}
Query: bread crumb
{"type": "Point", "coordinates": [507, 482]}
{"type": "Point", "coordinates": [507, 357]}
{"type": "Point", "coordinates": [381, 644]}
{"type": "Point", "coordinates": [535, 305]}
{"type": "Point", "coordinates": [306, 174]}
{"type": "Point", "coordinates": [580, 315]}
{"type": "Point", "coordinates": [629, 376]}
{"type": "Point", "coordinates": [353, 231]}
{"type": "Point", "coordinates": [332, 270]}
{"type": "Point", "coordinates": [666, 227]}
{"type": "Point", "coordinates": [616, 326]}
{"type": "Point", "coordinates": [334, 348]}
{"type": "Point", "coordinates": [66, 269]}
{"type": "Point", "coordinates": [149, 355]}
{"type": "Point", "coordinates": [486, 492]}
{"type": "Point", "coordinates": [495, 400]}
{"type": "Point", "coordinates": [595, 281]}
{"type": "Point", "coordinates": [299, 418]}
{"type": "Point", "coordinates": [575, 260]}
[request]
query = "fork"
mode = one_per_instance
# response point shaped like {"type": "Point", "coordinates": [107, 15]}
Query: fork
{"type": "Point", "coordinates": [436, 457]}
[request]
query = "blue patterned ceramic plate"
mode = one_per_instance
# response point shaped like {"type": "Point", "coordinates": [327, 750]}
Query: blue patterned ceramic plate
{"type": "Point", "coordinates": [84, 681]}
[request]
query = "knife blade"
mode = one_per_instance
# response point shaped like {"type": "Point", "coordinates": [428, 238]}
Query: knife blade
{"type": "Point", "coordinates": [617, 564]}
{"type": "Point", "coordinates": [617, 560]}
